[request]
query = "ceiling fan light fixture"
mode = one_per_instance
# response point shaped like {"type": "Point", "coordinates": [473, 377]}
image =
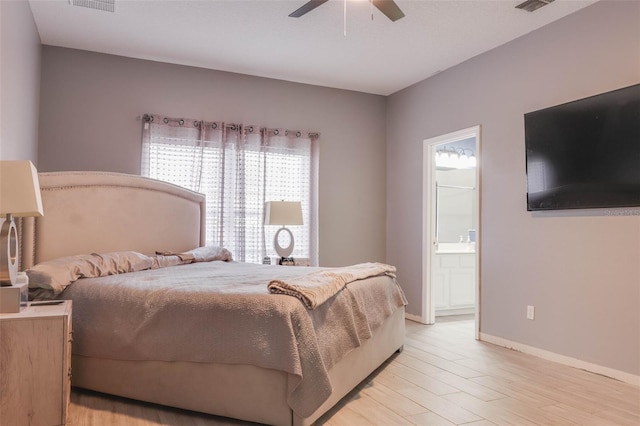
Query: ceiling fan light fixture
{"type": "Point", "coordinates": [533, 5]}
{"type": "Point", "coordinates": [389, 8]}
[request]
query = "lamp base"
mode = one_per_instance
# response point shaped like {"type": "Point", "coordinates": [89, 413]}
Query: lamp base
{"type": "Point", "coordinates": [283, 252]}
{"type": "Point", "coordinates": [8, 252]}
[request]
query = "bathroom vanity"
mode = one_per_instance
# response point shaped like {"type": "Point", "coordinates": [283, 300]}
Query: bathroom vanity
{"type": "Point", "coordinates": [454, 278]}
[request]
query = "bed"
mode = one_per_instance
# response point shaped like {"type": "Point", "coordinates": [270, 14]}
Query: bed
{"type": "Point", "coordinates": [99, 212]}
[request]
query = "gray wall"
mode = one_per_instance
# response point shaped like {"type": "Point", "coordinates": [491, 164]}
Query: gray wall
{"type": "Point", "coordinates": [90, 102]}
{"type": "Point", "coordinates": [19, 82]}
{"type": "Point", "coordinates": [582, 272]}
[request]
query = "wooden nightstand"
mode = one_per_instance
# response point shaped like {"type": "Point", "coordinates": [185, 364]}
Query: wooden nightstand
{"type": "Point", "coordinates": [35, 365]}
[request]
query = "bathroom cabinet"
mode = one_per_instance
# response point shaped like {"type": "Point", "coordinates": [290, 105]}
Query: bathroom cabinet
{"type": "Point", "coordinates": [454, 282]}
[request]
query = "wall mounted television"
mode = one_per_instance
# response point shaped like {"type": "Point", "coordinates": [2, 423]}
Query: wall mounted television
{"type": "Point", "coordinates": [586, 153]}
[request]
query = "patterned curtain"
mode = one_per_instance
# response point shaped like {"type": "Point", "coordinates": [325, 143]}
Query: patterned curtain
{"type": "Point", "coordinates": [238, 168]}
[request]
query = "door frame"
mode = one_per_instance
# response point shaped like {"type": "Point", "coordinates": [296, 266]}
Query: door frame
{"type": "Point", "coordinates": [428, 220]}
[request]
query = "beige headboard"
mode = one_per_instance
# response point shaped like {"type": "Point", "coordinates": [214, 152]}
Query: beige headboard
{"type": "Point", "coordinates": [100, 212]}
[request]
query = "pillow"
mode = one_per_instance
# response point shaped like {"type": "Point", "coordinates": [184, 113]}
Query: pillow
{"type": "Point", "coordinates": [57, 274]}
{"type": "Point", "coordinates": [41, 294]}
{"type": "Point", "coordinates": [200, 254]}
{"type": "Point", "coordinates": [210, 253]}
{"type": "Point", "coordinates": [165, 259]}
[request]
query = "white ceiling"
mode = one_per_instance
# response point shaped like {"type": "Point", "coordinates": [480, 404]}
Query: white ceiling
{"type": "Point", "coordinates": [258, 38]}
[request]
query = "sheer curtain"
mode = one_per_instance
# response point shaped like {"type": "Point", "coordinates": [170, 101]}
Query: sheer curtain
{"type": "Point", "coordinates": [238, 168]}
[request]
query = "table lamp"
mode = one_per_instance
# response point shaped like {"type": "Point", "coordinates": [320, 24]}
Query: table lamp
{"type": "Point", "coordinates": [283, 213]}
{"type": "Point", "coordinates": [19, 197]}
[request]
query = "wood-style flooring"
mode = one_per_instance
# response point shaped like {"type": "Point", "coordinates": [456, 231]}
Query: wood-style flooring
{"type": "Point", "coordinates": [443, 377]}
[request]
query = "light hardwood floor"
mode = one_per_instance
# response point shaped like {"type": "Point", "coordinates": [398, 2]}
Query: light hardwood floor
{"type": "Point", "coordinates": [443, 377]}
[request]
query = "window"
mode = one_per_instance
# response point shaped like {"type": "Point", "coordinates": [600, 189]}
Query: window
{"type": "Point", "coordinates": [238, 168]}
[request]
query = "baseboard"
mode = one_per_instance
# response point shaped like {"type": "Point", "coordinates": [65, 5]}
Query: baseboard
{"type": "Point", "coordinates": [455, 311]}
{"type": "Point", "coordinates": [415, 318]}
{"type": "Point", "coordinates": [562, 359]}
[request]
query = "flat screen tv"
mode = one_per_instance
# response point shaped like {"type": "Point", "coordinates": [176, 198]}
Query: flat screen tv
{"type": "Point", "coordinates": [585, 154]}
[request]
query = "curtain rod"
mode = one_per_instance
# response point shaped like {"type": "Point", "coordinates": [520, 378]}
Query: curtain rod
{"type": "Point", "coordinates": [148, 118]}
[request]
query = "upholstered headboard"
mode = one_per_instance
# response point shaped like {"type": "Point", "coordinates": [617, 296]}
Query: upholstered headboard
{"type": "Point", "coordinates": [100, 212]}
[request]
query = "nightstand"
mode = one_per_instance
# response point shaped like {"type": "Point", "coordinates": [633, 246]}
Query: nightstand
{"type": "Point", "coordinates": [35, 365]}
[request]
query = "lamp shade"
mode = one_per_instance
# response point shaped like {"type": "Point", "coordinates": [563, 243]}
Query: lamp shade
{"type": "Point", "coordinates": [283, 213]}
{"type": "Point", "coordinates": [19, 189]}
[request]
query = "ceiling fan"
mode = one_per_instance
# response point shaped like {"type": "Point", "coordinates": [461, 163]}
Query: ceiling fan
{"type": "Point", "coordinates": [388, 7]}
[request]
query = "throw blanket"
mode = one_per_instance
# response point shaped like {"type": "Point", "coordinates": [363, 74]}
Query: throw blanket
{"type": "Point", "coordinates": [317, 287]}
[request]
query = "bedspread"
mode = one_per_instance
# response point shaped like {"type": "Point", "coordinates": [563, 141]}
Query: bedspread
{"type": "Point", "coordinates": [222, 312]}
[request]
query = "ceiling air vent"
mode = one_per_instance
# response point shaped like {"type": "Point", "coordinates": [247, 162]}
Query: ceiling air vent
{"type": "Point", "coordinates": [531, 5]}
{"type": "Point", "coordinates": [105, 5]}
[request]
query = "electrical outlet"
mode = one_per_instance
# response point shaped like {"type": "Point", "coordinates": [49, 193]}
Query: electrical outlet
{"type": "Point", "coordinates": [531, 312]}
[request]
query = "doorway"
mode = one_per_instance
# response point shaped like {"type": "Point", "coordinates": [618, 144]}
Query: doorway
{"type": "Point", "coordinates": [451, 222]}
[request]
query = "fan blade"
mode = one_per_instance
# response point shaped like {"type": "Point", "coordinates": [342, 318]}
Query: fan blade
{"type": "Point", "coordinates": [389, 8]}
{"type": "Point", "coordinates": [307, 7]}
